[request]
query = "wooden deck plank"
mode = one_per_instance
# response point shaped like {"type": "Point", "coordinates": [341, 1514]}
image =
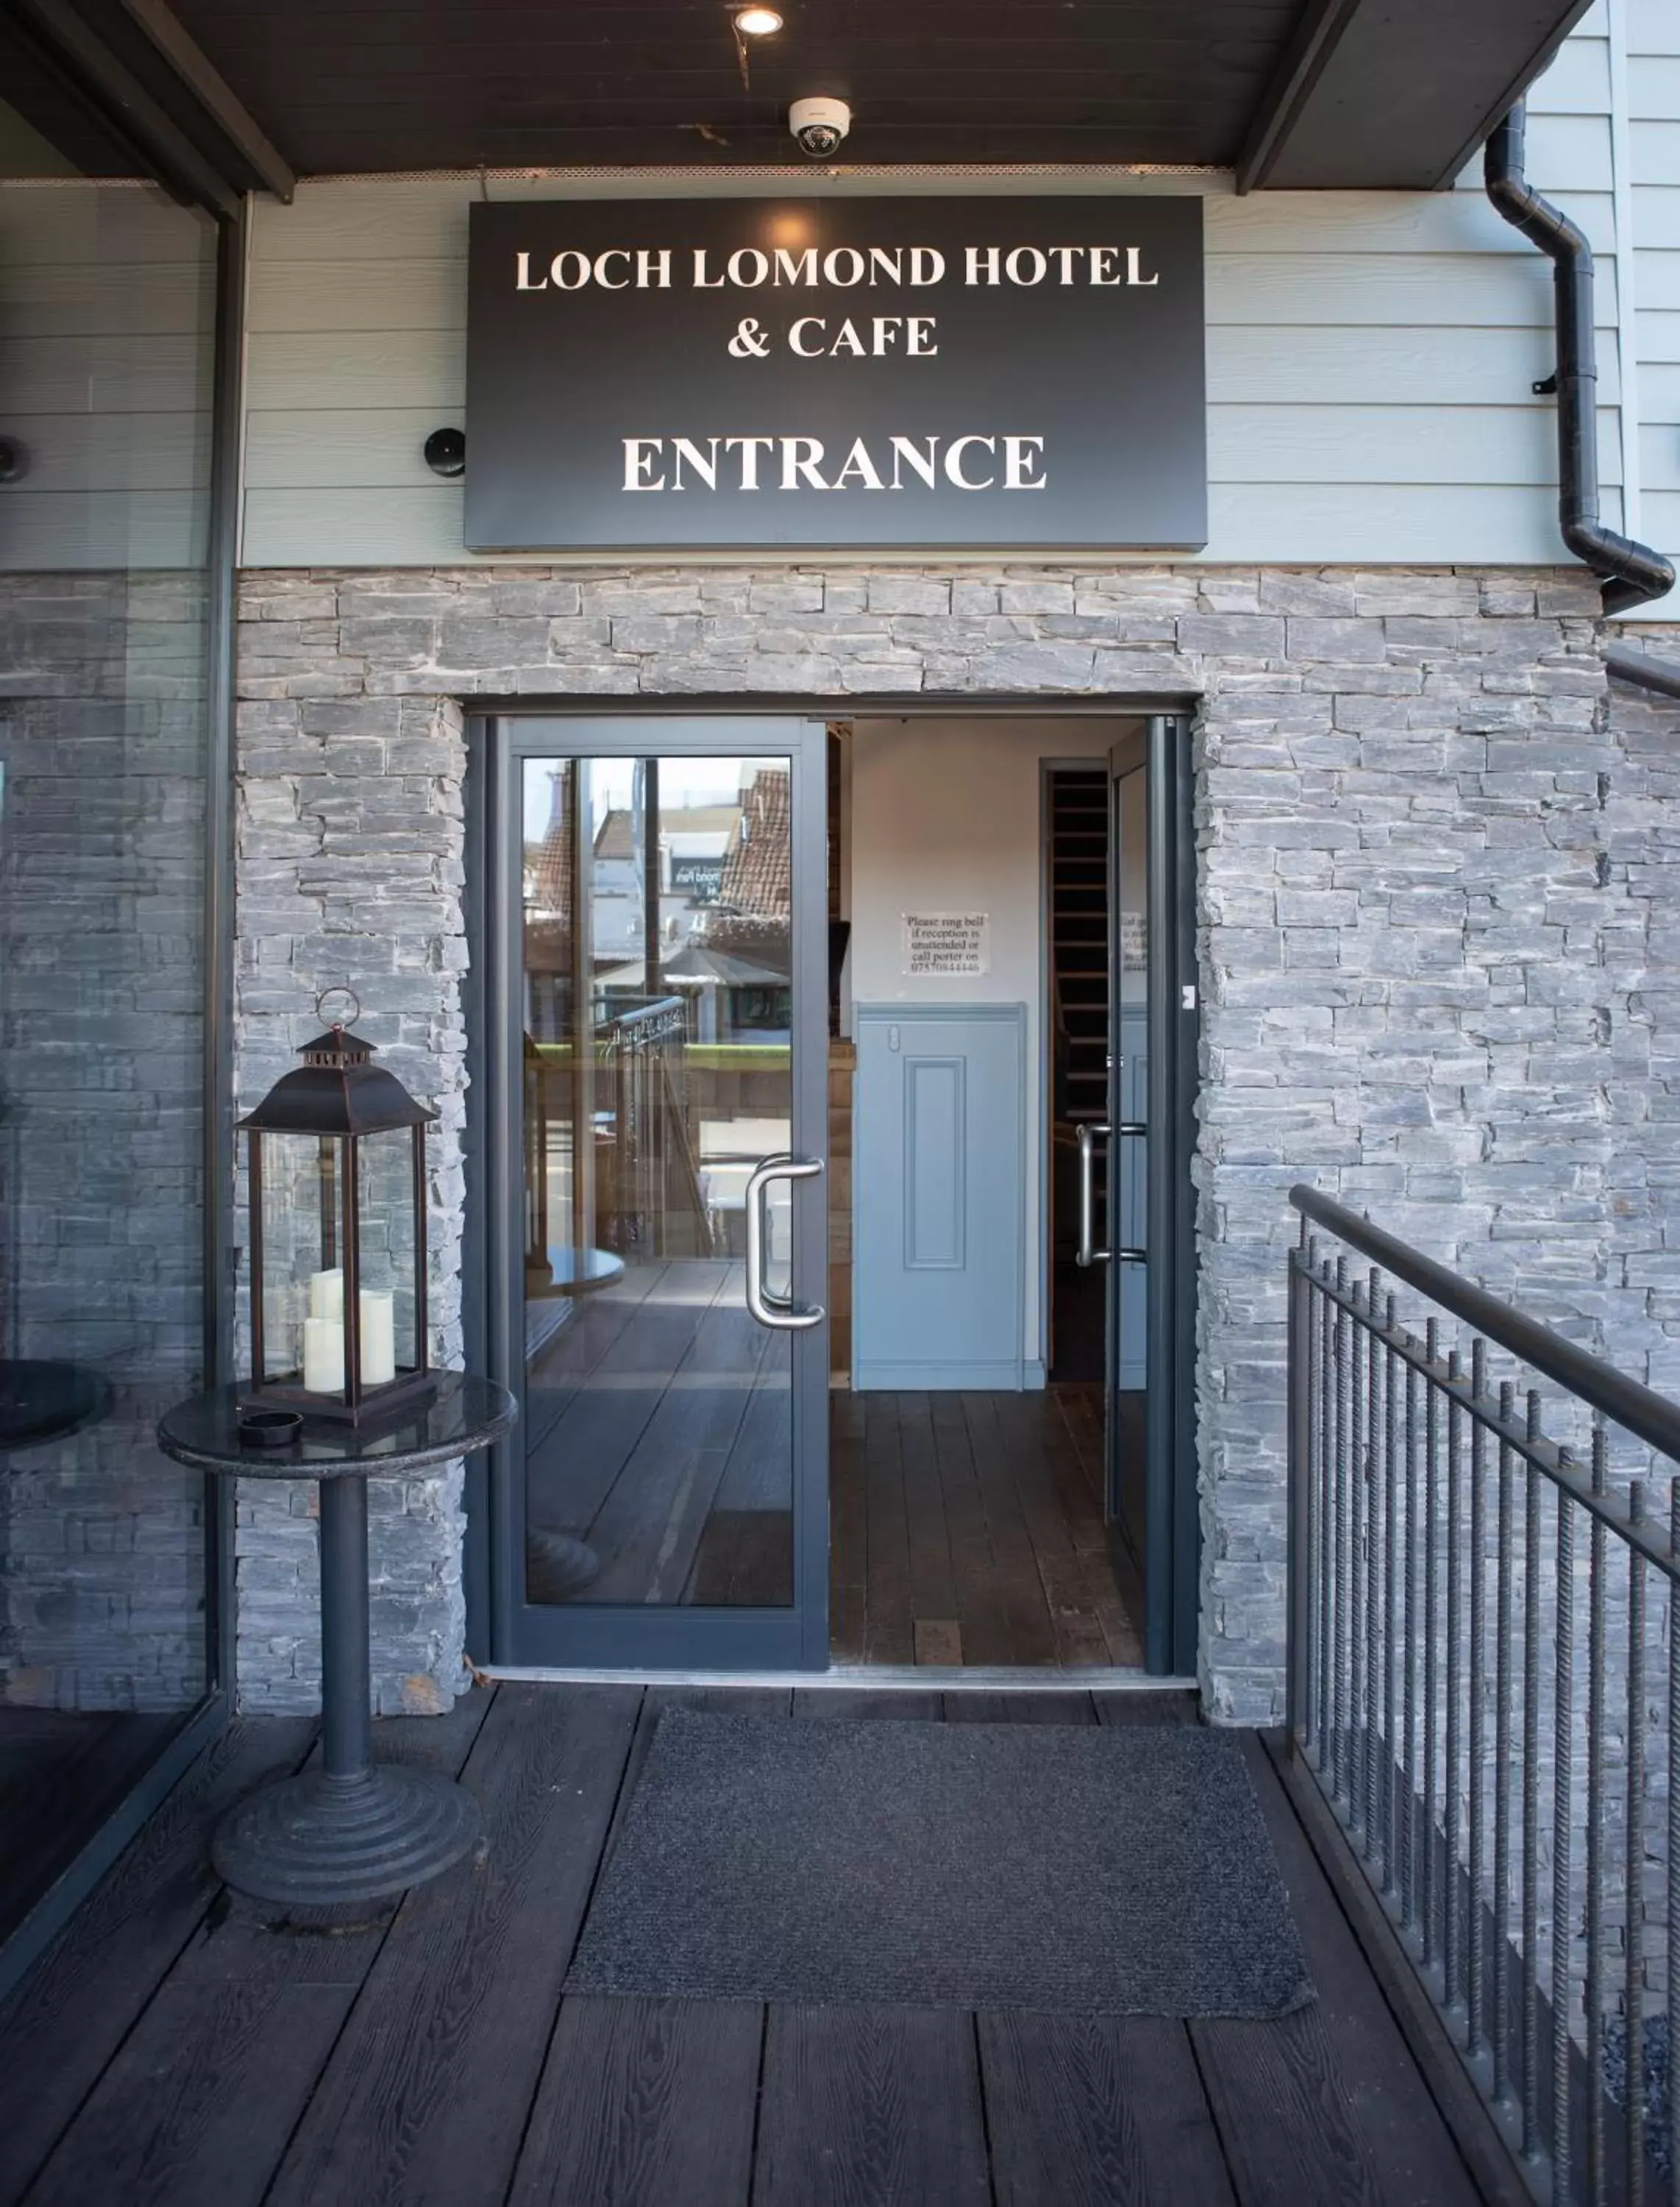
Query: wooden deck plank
{"type": "Point", "coordinates": [429, 2086]}
{"type": "Point", "coordinates": [870, 2103]}
{"type": "Point", "coordinates": [897, 1705]}
{"type": "Point", "coordinates": [1392, 2105]}
{"type": "Point", "coordinates": [1104, 2111]}
{"type": "Point", "coordinates": [197, 2107]}
{"type": "Point", "coordinates": [61, 2028]}
{"type": "Point", "coordinates": [1126, 1707]}
{"type": "Point", "coordinates": [644, 2103]}
{"type": "Point", "coordinates": [1284, 2120]}
{"type": "Point", "coordinates": [1066, 1708]}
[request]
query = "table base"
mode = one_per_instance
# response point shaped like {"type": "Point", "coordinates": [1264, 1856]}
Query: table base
{"type": "Point", "coordinates": [318, 1841]}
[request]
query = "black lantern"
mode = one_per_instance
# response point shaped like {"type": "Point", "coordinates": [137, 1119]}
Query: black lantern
{"type": "Point", "coordinates": [336, 1189]}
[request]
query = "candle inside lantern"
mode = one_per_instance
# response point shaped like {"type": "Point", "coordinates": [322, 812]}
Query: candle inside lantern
{"type": "Point", "coordinates": [324, 1354]}
{"type": "Point", "coordinates": [326, 1293]}
{"type": "Point", "coordinates": [379, 1336]}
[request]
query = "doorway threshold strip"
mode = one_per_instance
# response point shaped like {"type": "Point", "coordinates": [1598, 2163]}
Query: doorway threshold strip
{"type": "Point", "coordinates": [894, 1677]}
{"type": "Point", "coordinates": [1076, 1870]}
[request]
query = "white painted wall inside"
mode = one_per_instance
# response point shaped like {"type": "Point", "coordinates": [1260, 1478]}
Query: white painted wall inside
{"type": "Point", "coordinates": [946, 816]}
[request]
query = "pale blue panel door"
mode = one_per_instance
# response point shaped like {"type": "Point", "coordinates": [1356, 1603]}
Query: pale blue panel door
{"type": "Point", "coordinates": [939, 1199]}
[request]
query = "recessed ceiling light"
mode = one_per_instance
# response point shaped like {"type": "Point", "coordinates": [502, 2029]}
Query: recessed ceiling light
{"type": "Point", "coordinates": [756, 23]}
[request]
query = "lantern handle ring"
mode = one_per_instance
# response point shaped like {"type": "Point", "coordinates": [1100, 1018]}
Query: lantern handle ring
{"type": "Point", "coordinates": [343, 989]}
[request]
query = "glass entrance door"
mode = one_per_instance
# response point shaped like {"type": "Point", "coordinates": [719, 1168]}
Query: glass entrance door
{"type": "Point", "coordinates": [662, 1066]}
{"type": "Point", "coordinates": [1150, 1240]}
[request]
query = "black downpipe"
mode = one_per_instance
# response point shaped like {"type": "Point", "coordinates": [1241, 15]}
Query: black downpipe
{"type": "Point", "coordinates": [1631, 574]}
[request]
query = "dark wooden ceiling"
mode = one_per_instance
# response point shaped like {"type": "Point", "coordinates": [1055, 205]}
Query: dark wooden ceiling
{"type": "Point", "coordinates": [1378, 94]}
{"type": "Point", "coordinates": [403, 84]}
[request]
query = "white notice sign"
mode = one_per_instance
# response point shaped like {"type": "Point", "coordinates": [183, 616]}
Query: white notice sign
{"type": "Point", "coordinates": [946, 943]}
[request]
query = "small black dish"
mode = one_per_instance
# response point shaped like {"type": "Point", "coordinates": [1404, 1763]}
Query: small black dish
{"type": "Point", "coordinates": [270, 1429]}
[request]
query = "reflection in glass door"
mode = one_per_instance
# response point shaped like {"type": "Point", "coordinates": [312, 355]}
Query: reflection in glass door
{"type": "Point", "coordinates": [670, 1477]}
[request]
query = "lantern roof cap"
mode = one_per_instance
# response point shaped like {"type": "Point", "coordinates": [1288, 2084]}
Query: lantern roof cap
{"type": "Point", "coordinates": [337, 1091]}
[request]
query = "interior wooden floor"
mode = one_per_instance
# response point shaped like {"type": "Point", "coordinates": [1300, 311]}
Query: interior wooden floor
{"type": "Point", "coordinates": [174, 2050]}
{"type": "Point", "coordinates": [965, 1530]}
{"type": "Point", "coordinates": [968, 1530]}
{"type": "Point", "coordinates": [62, 1770]}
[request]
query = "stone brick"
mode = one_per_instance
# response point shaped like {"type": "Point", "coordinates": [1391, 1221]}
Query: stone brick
{"type": "Point", "coordinates": [1423, 991]}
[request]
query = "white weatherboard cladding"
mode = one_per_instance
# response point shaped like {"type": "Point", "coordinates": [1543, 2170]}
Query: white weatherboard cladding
{"type": "Point", "coordinates": [106, 361]}
{"type": "Point", "coordinates": [1369, 355]}
{"type": "Point", "coordinates": [1652, 31]}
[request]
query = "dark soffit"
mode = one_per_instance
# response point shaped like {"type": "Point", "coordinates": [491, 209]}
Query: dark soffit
{"type": "Point", "coordinates": [1393, 93]}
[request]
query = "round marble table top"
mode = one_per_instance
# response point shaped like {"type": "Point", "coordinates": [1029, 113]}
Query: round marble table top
{"type": "Point", "coordinates": [465, 1414]}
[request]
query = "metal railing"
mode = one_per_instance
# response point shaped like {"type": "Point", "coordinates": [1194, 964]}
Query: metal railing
{"type": "Point", "coordinates": [642, 1054]}
{"type": "Point", "coordinates": [1485, 1684]}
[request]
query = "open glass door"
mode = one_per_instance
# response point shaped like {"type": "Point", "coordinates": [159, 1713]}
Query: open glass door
{"type": "Point", "coordinates": [1149, 1409]}
{"type": "Point", "coordinates": [662, 1066]}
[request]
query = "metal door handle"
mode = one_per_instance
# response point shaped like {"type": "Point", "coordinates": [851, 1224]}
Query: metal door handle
{"type": "Point", "coordinates": [1089, 1133]}
{"type": "Point", "coordinates": [1087, 1253]}
{"type": "Point", "coordinates": [779, 1312]}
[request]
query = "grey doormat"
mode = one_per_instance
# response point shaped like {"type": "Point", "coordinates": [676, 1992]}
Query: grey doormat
{"type": "Point", "coordinates": [1093, 1871]}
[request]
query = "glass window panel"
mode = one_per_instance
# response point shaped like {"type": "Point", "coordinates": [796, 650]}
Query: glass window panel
{"type": "Point", "coordinates": [106, 384]}
{"type": "Point", "coordinates": [657, 1008]}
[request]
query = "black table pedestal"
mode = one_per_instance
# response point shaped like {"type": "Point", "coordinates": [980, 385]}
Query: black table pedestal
{"type": "Point", "coordinates": [354, 1830]}
{"type": "Point", "coordinates": [351, 1829]}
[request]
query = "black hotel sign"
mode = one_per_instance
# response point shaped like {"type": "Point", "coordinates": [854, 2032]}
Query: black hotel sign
{"type": "Point", "coordinates": [814, 372]}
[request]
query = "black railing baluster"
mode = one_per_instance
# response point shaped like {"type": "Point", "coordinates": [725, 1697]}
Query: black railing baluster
{"type": "Point", "coordinates": [1474, 2014]}
{"type": "Point", "coordinates": [1313, 1563]}
{"type": "Point", "coordinates": [1395, 1644]}
{"type": "Point", "coordinates": [1449, 1897]}
{"type": "Point", "coordinates": [1563, 1739]}
{"type": "Point", "coordinates": [1634, 1936]}
{"type": "Point", "coordinates": [1672, 1857]}
{"type": "Point", "coordinates": [1531, 1800]}
{"type": "Point", "coordinates": [1391, 1450]}
{"type": "Point", "coordinates": [1501, 1759]}
{"type": "Point", "coordinates": [1338, 1738]}
{"type": "Point", "coordinates": [1327, 1517]}
{"type": "Point", "coordinates": [1358, 1808]}
{"type": "Point", "coordinates": [1375, 1819]}
{"type": "Point", "coordinates": [1593, 1995]}
{"type": "Point", "coordinates": [1432, 1547]}
{"type": "Point", "coordinates": [1408, 1647]}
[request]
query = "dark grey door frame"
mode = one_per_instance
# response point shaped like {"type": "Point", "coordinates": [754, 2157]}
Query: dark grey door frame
{"type": "Point", "coordinates": [502, 1629]}
{"type": "Point", "coordinates": [1160, 750]}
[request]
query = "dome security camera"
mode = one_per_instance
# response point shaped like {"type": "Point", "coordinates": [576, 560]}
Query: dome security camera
{"type": "Point", "coordinates": [819, 126]}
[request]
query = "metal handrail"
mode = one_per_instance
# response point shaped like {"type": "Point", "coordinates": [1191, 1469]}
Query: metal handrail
{"type": "Point", "coordinates": [1625, 1401]}
{"type": "Point", "coordinates": [1503, 1781]}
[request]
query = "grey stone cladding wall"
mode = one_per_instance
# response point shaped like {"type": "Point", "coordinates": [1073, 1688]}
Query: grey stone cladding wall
{"type": "Point", "coordinates": [1436, 948]}
{"type": "Point", "coordinates": [104, 743]}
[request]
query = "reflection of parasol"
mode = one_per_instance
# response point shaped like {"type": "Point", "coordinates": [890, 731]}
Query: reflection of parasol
{"type": "Point", "coordinates": [41, 1399]}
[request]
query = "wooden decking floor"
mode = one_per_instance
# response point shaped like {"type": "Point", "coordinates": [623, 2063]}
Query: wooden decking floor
{"type": "Point", "coordinates": [175, 2050]}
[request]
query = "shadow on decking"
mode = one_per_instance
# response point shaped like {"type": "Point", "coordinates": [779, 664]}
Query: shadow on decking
{"type": "Point", "coordinates": [173, 2049]}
